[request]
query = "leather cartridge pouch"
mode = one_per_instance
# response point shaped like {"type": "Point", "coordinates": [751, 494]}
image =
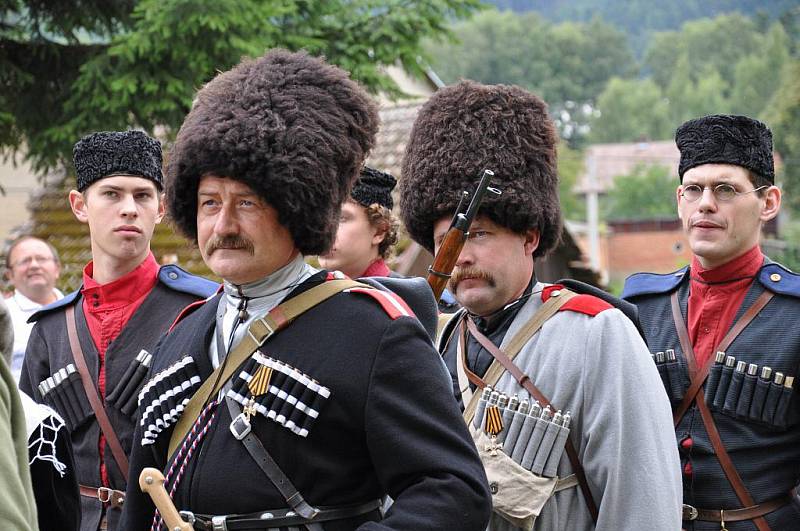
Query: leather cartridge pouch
{"type": "Point", "coordinates": [518, 495]}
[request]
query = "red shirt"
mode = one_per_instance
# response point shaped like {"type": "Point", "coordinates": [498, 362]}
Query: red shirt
{"type": "Point", "coordinates": [715, 297]}
{"type": "Point", "coordinates": [108, 308]}
{"type": "Point", "coordinates": [378, 268]}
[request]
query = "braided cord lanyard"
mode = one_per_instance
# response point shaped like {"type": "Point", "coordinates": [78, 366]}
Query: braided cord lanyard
{"type": "Point", "coordinates": [185, 453]}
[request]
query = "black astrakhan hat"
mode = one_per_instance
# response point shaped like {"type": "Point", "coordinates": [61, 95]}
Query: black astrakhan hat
{"type": "Point", "coordinates": [108, 153]}
{"type": "Point", "coordinates": [466, 128]}
{"type": "Point", "coordinates": [726, 139]}
{"type": "Point", "coordinates": [288, 125]}
{"type": "Point", "coordinates": [374, 186]}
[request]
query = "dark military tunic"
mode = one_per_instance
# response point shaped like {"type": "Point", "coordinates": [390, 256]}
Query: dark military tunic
{"type": "Point", "coordinates": [386, 423]}
{"type": "Point", "coordinates": [765, 449]}
{"type": "Point", "coordinates": [49, 351]}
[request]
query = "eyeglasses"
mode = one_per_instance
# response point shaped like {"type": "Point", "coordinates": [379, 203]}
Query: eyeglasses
{"type": "Point", "coordinates": [722, 192]}
{"type": "Point", "coordinates": [28, 260]}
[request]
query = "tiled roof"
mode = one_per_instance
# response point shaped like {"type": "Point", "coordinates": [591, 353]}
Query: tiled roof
{"type": "Point", "coordinates": [396, 122]}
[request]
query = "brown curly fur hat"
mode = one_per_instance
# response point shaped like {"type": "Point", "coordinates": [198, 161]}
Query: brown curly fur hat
{"type": "Point", "coordinates": [466, 128]}
{"type": "Point", "coordinates": [292, 127]}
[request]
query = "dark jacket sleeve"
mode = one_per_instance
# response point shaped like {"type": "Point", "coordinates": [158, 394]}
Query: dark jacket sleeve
{"type": "Point", "coordinates": [36, 366]}
{"type": "Point", "coordinates": [419, 444]}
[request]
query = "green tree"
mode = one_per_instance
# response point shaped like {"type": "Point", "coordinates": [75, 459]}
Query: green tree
{"type": "Point", "coordinates": [757, 76]}
{"type": "Point", "coordinates": [74, 66]}
{"type": "Point", "coordinates": [631, 109]}
{"type": "Point", "coordinates": [647, 192]}
{"type": "Point", "coordinates": [566, 64]}
{"type": "Point", "coordinates": [783, 116]}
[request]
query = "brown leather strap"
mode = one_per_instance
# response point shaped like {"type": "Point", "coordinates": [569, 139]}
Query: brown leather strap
{"type": "Point", "coordinates": [708, 419]}
{"type": "Point", "coordinates": [526, 382]}
{"type": "Point", "coordinates": [116, 498]}
{"type": "Point", "coordinates": [735, 515]}
{"type": "Point", "coordinates": [91, 394]}
{"type": "Point", "coordinates": [698, 378]}
{"type": "Point", "coordinates": [471, 376]}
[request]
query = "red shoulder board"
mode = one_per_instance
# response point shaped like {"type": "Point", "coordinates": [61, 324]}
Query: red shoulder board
{"type": "Point", "coordinates": [188, 310]}
{"type": "Point", "coordinates": [393, 305]}
{"type": "Point", "coordinates": [581, 303]}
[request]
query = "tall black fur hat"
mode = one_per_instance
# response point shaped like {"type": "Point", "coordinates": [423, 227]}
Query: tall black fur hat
{"type": "Point", "coordinates": [293, 128]}
{"type": "Point", "coordinates": [726, 139]}
{"type": "Point", "coordinates": [374, 186]}
{"type": "Point", "coordinates": [466, 128]}
{"type": "Point", "coordinates": [108, 153]}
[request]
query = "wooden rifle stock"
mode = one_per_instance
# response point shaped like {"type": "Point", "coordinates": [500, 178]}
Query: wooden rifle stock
{"type": "Point", "coordinates": [445, 260]}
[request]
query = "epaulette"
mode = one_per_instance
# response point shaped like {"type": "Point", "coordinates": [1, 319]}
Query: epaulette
{"type": "Point", "coordinates": [176, 278]}
{"type": "Point", "coordinates": [57, 305]}
{"type": "Point", "coordinates": [394, 306]}
{"type": "Point", "coordinates": [778, 279]}
{"type": "Point", "coordinates": [652, 283]}
{"type": "Point", "coordinates": [581, 303]}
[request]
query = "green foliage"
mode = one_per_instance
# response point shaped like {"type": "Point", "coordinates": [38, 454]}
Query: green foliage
{"type": "Point", "coordinates": [570, 164]}
{"type": "Point", "coordinates": [566, 64]}
{"type": "Point", "coordinates": [710, 66]}
{"type": "Point", "coordinates": [71, 67]}
{"type": "Point", "coordinates": [648, 192]}
{"type": "Point", "coordinates": [629, 110]}
{"type": "Point", "coordinates": [783, 116]}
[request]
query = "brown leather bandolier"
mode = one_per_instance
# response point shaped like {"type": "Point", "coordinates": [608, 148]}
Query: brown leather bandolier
{"type": "Point", "coordinates": [523, 380]}
{"type": "Point", "coordinates": [750, 510]}
{"type": "Point", "coordinates": [104, 494]}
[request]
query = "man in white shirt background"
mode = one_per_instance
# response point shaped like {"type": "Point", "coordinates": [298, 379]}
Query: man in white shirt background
{"type": "Point", "coordinates": [33, 268]}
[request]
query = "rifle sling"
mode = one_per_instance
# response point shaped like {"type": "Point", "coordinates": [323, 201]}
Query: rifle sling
{"type": "Point", "coordinates": [694, 394]}
{"type": "Point", "coordinates": [94, 398]}
{"type": "Point", "coordinates": [258, 333]}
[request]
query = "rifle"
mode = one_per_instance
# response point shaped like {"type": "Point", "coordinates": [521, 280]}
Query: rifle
{"type": "Point", "coordinates": [445, 260]}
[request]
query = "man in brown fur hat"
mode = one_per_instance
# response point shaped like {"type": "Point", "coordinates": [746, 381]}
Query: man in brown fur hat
{"type": "Point", "coordinates": [305, 421]}
{"type": "Point", "coordinates": [548, 353]}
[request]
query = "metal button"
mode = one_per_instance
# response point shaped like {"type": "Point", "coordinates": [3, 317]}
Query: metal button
{"type": "Point", "coordinates": [775, 277]}
{"type": "Point", "coordinates": [173, 275]}
{"type": "Point", "coordinates": [493, 487]}
{"type": "Point", "coordinates": [555, 293]}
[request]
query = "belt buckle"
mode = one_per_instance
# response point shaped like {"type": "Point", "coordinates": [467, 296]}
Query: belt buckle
{"type": "Point", "coordinates": [218, 523]}
{"type": "Point", "coordinates": [689, 512]}
{"type": "Point", "coordinates": [104, 494]}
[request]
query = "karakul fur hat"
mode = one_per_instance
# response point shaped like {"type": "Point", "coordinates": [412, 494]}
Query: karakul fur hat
{"type": "Point", "coordinates": [726, 139]}
{"type": "Point", "coordinates": [109, 153]}
{"type": "Point", "coordinates": [374, 186]}
{"type": "Point", "coordinates": [293, 128]}
{"type": "Point", "coordinates": [466, 128]}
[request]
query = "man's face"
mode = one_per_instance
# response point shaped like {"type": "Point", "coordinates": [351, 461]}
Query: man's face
{"type": "Point", "coordinates": [122, 212]}
{"type": "Point", "coordinates": [357, 241]}
{"type": "Point", "coordinates": [719, 231]}
{"type": "Point", "coordinates": [33, 268]}
{"type": "Point", "coordinates": [494, 266]}
{"type": "Point", "coordinates": [239, 235]}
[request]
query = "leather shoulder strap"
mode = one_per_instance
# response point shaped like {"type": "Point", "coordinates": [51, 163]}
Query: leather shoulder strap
{"type": "Point", "coordinates": [91, 393]}
{"type": "Point", "coordinates": [698, 377]}
{"type": "Point", "coordinates": [258, 332]}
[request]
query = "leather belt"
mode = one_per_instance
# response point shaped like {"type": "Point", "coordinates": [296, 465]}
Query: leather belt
{"type": "Point", "coordinates": [106, 495]}
{"type": "Point", "coordinates": [735, 515]}
{"type": "Point", "coordinates": [274, 519]}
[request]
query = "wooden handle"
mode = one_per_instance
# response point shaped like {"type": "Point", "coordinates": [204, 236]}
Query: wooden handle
{"type": "Point", "coordinates": [151, 481]}
{"type": "Point", "coordinates": [445, 261]}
